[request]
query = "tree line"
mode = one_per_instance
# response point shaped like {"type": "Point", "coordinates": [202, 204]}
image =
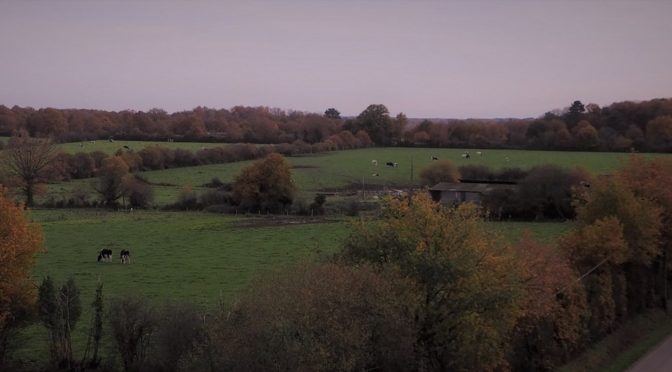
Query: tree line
{"type": "Point", "coordinates": [621, 126]}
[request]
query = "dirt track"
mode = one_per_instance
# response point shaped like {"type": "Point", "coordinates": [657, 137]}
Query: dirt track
{"type": "Point", "coordinates": [657, 360]}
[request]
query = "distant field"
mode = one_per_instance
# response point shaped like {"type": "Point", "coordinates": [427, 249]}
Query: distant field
{"type": "Point", "coordinates": [354, 168]}
{"type": "Point", "coordinates": [112, 147]}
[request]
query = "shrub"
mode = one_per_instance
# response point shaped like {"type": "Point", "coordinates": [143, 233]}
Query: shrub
{"type": "Point", "coordinates": [439, 171]}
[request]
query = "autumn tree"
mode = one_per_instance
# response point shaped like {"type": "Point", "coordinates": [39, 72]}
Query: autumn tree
{"type": "Point", "coordinates": [471, 294]}
{"type": "Point", "coordinates": [555, 311]}
{"type": "Point", "coordinates": [659, 133]}
{"type": "Point", "coordinates": [20, 241]}
{"type": "Point", "coordinates": [375, 120]}
{"type": "Point", "coordinates": [641, 223]}
{"type": "Point", "coordinates": [546, 191]}
{"type": "Point", "coordinates": [651, 179]}
{"type": "Point", "coordinates": [332, 113]}
{"type": "Point", "coordinates": [265, 185]}
{"type": "Point", "coordinates": [575, 112]}
{"type": "Point", "coordinates": [320, 317]}
{"type": "Point", "coordinates": [26, 159]}
{"type": "Point", "coordinates": [597, 251]}
{"type": "Point", "coordinates": [439, 171]}
{"type": "Point", "coordinates": [110, 183]}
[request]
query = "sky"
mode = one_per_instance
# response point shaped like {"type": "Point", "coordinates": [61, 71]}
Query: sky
{"type": "Point", "coordinates": [428, 59]}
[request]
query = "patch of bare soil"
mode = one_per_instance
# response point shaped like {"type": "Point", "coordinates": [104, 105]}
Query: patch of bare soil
{"type": "Point", "coordinates": [266, 221]}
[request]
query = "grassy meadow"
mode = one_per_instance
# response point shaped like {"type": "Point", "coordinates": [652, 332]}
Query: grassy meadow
{"type": "Point", "coordinates": [111, 147]}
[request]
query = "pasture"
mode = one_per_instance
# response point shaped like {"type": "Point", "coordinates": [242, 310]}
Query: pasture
{"type": "Point", "coordinates": [200, 258]}
{"type": "Point", "coordinates": [354, 170]}
{"type": "Point", "coordinates": [109, 147]}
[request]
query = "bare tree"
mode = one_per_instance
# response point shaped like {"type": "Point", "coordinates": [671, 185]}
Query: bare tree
{"type": "Point", "coordinates": [25, 158]}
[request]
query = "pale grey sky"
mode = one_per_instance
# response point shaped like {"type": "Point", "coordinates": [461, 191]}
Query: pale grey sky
{"type": "Point", "coordinates": [506, 58]}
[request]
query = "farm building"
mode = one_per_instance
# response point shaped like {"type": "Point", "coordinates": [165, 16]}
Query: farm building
{"type": "Point", "coordinates": [466, 191]}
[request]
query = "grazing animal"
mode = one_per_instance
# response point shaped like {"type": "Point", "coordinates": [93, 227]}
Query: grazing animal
{"type": "Point", "coordinates": [466, 155]}
{"type": "Point", "coordinates": [479, 153]}
{"type": "Point", "coordinates": [435, 158]}
{"type": "Point", "coordinates": [392, 164]}
{"type": "Point", "coordinates": [126, 147]}
{"type": "Point", "coordinates": [375, 175]}
{"type": "Point", "coordinates": [125, 256]}
{"type": "Point", "coordinates": [105, 255]}
{"type": "Point", "coordinates": [374, 163]}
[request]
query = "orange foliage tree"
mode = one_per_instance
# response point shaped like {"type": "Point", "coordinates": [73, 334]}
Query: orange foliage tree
{"type": "Point", "coordinates": [555, 311]}
{"type": "Point", "coordinates": [651, 179]}
{"type": "Point", "coordinates": [265, 185]}
{"type": "Point", "coordinates": [19, 243]}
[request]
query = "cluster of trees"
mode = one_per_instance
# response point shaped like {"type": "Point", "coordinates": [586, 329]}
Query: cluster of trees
{"type": "Point", "coordinates": [239, 124]}
{"type": "Point", "coordinates": [622, 126]}
{"type": "Point", "coordinates": [264, 186]}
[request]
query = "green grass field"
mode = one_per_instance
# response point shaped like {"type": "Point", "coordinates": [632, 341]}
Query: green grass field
{"type": "Point", "coordinates": [200, 258]}
{"type": "Point", "coordinates": [112, 147]}
{"type": "Point", "coordinates": [203, 259]}
{"type": "Point", "coordinates": [354, 168]}
{"type": "Point", "coordinates": [339, 169]}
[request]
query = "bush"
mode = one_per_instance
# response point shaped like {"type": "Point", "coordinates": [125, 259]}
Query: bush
{"type": "Point", "coordinates": [132, 321]}
{"type": "Point", "coordinates": [179, 328]}
{"type": "Point", "coordinates": [324, 317]}
{"type": "Point", "coordinates": [439, 171]}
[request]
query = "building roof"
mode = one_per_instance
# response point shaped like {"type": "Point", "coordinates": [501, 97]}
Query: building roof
{"type": "Point", "coordinates": [471, 187]}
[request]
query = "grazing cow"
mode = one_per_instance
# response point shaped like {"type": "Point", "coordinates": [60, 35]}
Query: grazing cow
{"type": "Point", "coordinates": [105, 255]}
{"type": "Point", "coordinates": [392, 164]}
{"type": "Point", "coordinates": [466, 155]}
{"type": "Point", "coordinates": [126, 147]}
{"type": "Point", "coordinates": [375, 175]}
{"type": "Point", "coordinates": [479, 153]}
{"type": "Point", "coordinates": [374, 163]}
{"type": "Point", "coordinates": [125, 256]}
{"type": "Point", "coordinates": [435, 158]}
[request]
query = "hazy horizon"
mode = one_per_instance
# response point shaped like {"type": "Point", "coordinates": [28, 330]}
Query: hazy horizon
{"type": "Point", "coordinates": [428, 59]}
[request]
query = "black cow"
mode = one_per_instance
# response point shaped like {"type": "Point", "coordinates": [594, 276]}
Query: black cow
{"type": "Point", "coordinates": [435, 158]}
{"type": "Point", "coordinates": [105, 255]}
{"type": "Point", "coordinates": [392, 164]}
{"type": "Point", "coordinates": [125, 256]}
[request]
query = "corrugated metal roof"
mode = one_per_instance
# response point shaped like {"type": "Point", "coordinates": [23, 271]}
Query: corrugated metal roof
{"type": "Point", "coordinates": [470, 187]}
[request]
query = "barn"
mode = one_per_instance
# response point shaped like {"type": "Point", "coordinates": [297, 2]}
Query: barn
{"type": "Point", "coordinates": [467, 191]}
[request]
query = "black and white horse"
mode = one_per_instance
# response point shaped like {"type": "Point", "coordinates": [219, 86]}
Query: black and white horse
{"type": "Point", "coordinates": [125, 256]}
{"type": "Point", "coordinates": [105, 255]}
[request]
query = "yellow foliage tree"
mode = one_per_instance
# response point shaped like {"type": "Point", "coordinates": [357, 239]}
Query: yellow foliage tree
{"type": "Point", "coordinates": [471, 292]}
